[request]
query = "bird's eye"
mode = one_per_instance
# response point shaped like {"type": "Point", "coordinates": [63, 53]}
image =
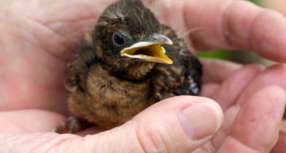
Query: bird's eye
{"type": "Point", "coordinates": [118, 39]}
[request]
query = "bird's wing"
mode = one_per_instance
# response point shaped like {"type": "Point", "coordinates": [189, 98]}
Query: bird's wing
{"type": "Point", "coordinates": [183, 76]}
{"type": "Point", "coordinates": [192, 80]}
{"type": "Point", "coordinates": [79, 64]}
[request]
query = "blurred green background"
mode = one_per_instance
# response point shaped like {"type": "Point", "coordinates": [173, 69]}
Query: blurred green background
{"type": "Point", "coordinates": [243, 56]}
{"type": "Point", "coordinates": [254, 1]}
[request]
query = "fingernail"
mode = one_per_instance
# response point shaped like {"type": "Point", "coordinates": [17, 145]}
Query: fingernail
{"type": "Point", "coordinates": [200, 120]}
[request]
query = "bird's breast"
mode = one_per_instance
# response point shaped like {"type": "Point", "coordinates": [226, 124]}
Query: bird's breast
{"type": "Point", "coordinates": [111, 100]}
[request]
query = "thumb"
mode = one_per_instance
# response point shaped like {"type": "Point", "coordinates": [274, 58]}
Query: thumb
{"type": "Point", "coordinates": [178, 124]}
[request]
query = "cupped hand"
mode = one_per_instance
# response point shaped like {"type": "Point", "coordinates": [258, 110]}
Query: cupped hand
{"type": "Point", "coordinates": [253, 107]}
{"type": "Point", "coordinates": [252, 113]}
{"type": "Point", "coordinates": [38, 37]}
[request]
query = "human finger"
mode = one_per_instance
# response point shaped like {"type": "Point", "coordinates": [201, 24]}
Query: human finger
{"type": "Point", "coordinates": [223, 25]}
{"type": "Point", "coordinates": [23, 121]}
{"type": "Point", "coordinates": [179, 124]}
{"type": "Point", "coordinates": [230, 90]}
{"type": "Point", "coordinates": [256, 126]}
{"type": "Point", "coordinates": [216, 71]}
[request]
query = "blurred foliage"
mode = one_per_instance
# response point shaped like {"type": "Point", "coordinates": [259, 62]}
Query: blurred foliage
{"type": "Point", "coordinates": [254, 1]}
{"type": "Point", "coordinates": [221, 54]}
{"type": "Point", "coordinates": [236, 56]}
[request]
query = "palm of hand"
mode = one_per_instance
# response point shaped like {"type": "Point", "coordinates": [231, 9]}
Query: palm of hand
{"type": "Point", "coordinates": [41, 40]}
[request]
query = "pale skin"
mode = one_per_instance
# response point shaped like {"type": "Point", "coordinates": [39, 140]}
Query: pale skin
{"type": "Point", "coordinates": [38, 37]}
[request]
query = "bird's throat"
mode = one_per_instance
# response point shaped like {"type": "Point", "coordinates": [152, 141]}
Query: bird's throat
{"type": "Point", "coordinates": [137, 71]}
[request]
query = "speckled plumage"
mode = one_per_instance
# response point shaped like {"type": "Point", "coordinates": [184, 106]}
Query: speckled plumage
{"type": "Point", "coordinates": [111, 89]}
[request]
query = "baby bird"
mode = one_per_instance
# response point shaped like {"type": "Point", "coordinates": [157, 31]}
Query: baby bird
{"type": "Point", "coordinates": [127, 63]}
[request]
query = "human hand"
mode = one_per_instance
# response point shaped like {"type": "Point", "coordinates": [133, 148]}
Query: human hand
{"type": "Point", "coordinates": [252, 113]}
{"type": "Point", "coordinates": [51, 47]}
{"type": "Point", "coordinates": [251, 119]}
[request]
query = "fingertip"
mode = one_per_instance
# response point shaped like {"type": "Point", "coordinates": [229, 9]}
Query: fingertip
{"type": "Point", "coordinates": [235, 84]}
{"type": "Point", "coordinates": [261, 114]}
{"type": "Point", "coordinates": [268, 40]}
{"type": "Point", "coordinates": [187, 121]}
{"type": "Point", "coordinates": [200, 120]}
{"type": "Point", "coordinates": [280, 97]}
{"type": "Point", "coordinates": [274, 75]}
{"type": "Point", "coordinates": [212, 69]}
{"type": "Point", "coordinates": [281, 68]}
{"type": "Point", "coordinates": [208, 89]}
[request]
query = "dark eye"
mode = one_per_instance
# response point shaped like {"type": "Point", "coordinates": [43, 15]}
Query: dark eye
{"type": "Point", "coordinates": [118, 39]}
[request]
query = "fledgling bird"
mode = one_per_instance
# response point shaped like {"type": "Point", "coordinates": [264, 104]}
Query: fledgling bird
{"type": "Point", "coordinates": [127, 63]}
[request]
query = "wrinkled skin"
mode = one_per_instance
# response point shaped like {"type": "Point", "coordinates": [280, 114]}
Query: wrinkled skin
{"type": "Point", "coordinates": [38, 37]}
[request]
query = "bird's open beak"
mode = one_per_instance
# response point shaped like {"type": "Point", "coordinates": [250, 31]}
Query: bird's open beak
{"type": "Point", "coordinates": [149, 50]}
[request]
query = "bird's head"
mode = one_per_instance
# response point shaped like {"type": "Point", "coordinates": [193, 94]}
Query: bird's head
{"type": "Point", "coordinates": [127, 33]}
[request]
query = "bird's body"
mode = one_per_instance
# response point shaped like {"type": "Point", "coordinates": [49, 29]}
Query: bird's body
{"type": "Point", "coordinates": [114, 83]}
